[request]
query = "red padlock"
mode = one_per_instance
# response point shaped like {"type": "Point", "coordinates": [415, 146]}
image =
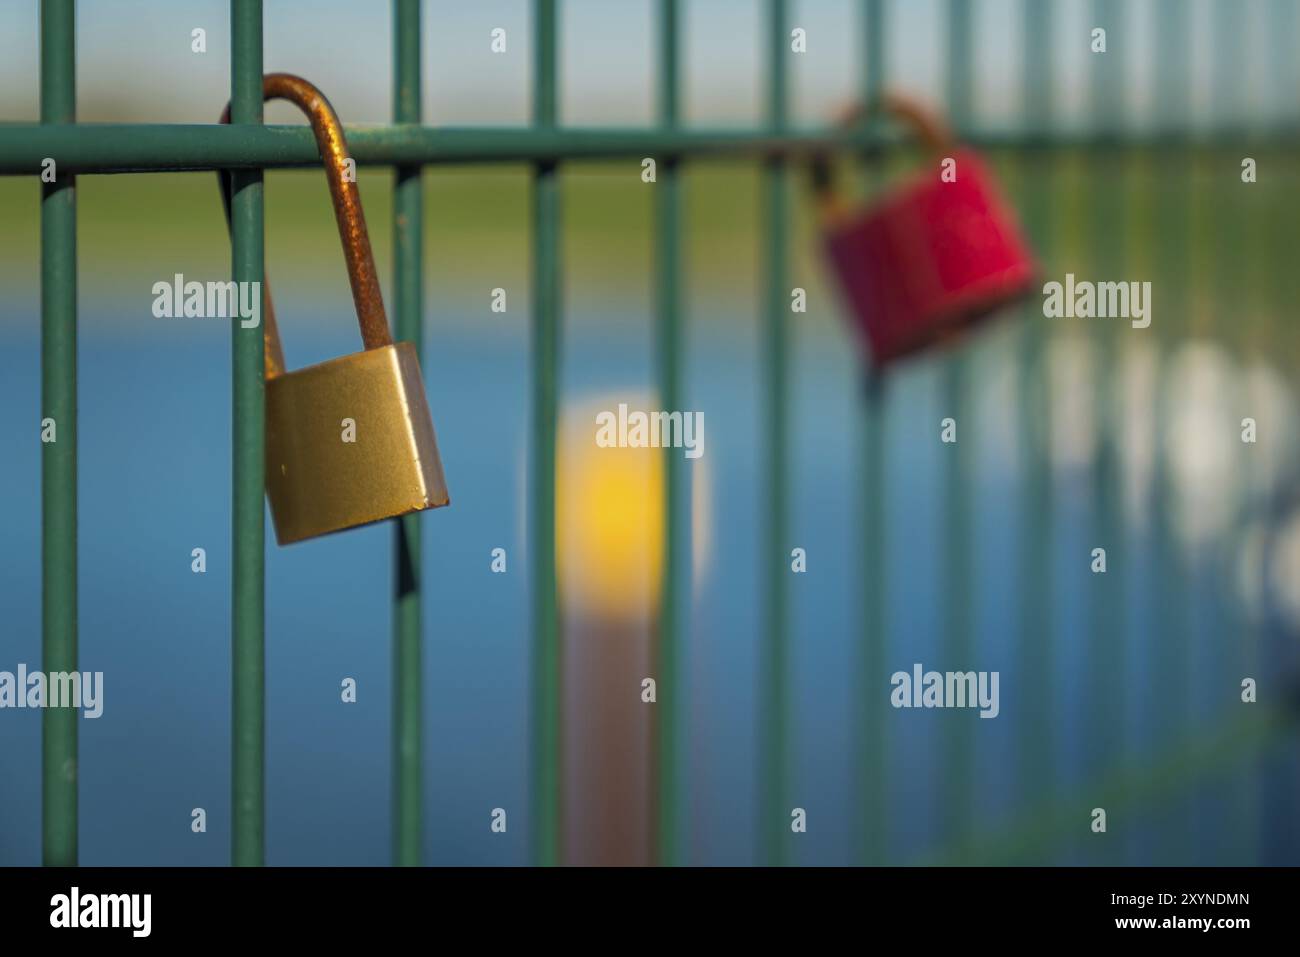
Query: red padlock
{"type": "Point", "coordinates": [932, 256]}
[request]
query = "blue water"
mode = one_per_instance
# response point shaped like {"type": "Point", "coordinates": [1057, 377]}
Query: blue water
{"type": "Point", "coordinates": [154, 466]}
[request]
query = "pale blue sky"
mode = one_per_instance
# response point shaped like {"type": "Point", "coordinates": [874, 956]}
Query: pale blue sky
{"type": "Point", "coordinates": [135, 61]}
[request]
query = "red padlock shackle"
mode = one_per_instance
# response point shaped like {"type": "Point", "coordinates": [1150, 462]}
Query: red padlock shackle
{"type": "Point", "coordinates": [927, 124]}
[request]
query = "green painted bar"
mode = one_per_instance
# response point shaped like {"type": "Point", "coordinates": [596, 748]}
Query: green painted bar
{"type": "Point", "coordinates": [875, 568]}
{"type": "Point", "coordinates": [545, 402]}
{"type": "Point", "coordinates": [248, 620]}
{"type": "Point", "coordinates": [1277, 298]}
{"type": "Point", "coordinates": [1235, 289]}
{"type": "Point", "coordinates": [408, 313]}
{"type": "Point", "coordinates": [958, 642]}
{"type": "Point", "coordinates": [959, 93]}
{"type": "Point", "coordinates": [1108, 72]}
{"type": "Point", "coordinates": [669, 332]}
{"type": "Point", "coordinates": [143, 148]}
{"type": "Point", "coordinates": [875, 633]}
{"type": "Point", "coordinates": [59, 457]}
{"type": "Point", "coordinates": [774, 703]}
{"type": "Point", "coordinates": [1036, 768]}
{"type": "Point", "coordinates": [1177, 825]}
{"type": "Point", "coordinates": [1282, 18]}
{"type": "Point", "coordinates": [1108, 224]}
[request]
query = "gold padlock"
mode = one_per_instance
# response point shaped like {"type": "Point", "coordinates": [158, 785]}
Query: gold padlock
{"type": "Point", "coordinates": [325, 474]}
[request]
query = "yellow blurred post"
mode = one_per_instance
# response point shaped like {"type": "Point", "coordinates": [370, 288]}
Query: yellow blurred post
{"type": "Point", "coordinates": [609, 549]}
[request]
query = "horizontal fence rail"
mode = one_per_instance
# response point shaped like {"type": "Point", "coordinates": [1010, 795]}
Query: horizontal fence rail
{"type": "Point", "coordinates": [153, 148]}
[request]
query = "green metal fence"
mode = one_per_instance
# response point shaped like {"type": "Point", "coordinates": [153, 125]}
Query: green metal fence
{"type": "Point", "coordinates": [247, 147]}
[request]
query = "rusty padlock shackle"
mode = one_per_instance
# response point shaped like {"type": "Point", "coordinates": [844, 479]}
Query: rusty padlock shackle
{"type": "Point", "coordinates": [928, 125]}
{"type": "Point", "coordinates": [366, 293]}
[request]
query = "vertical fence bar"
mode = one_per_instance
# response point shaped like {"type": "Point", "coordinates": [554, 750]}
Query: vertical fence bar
{"type": "Point", "coordinates": [408, 295]}
{"type": "Point", "coordinates": [874, 567]}
{"type": "Point", "coordinates": [958, 645]}
{"type": "Point", "coordinates": [1279, 786]}
{"type": "Point", "coordinates": [1235, 288]}
{"type": "Point", "coordinates": [1273, 798]}
{"type": "Point", "coordinates": [545, 381]}
{"type": "Point", "coordinates": [59, 457]}
{"type": "Point", "coordinates": [1036, 771]}
{"type": "Point", "coordinates": [1107, 179]}
{"type": "Point", "coordinates": [248, 659]}
{"type": "Point", "coordinates": [773, 742]}
{"type": "Point", "coordinates": [1174, 826]}
{"type": "Point", "coordinates": [668, 307]}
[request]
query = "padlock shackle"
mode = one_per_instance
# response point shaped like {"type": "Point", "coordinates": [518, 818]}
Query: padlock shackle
{"type": "Point", "coordinates": [926, 123]}
{"type": "Point", "coordinates": [363, 276]}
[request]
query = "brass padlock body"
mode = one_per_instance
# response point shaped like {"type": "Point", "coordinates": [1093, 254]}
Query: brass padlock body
{"type": "Point", "coordinates": [316, 481]}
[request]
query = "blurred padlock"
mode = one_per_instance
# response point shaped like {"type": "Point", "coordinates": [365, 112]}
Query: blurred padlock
{"type": "Point", "coordinates": [930, 256]}
{"type": "Point", "coordinates": [348, 441]}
